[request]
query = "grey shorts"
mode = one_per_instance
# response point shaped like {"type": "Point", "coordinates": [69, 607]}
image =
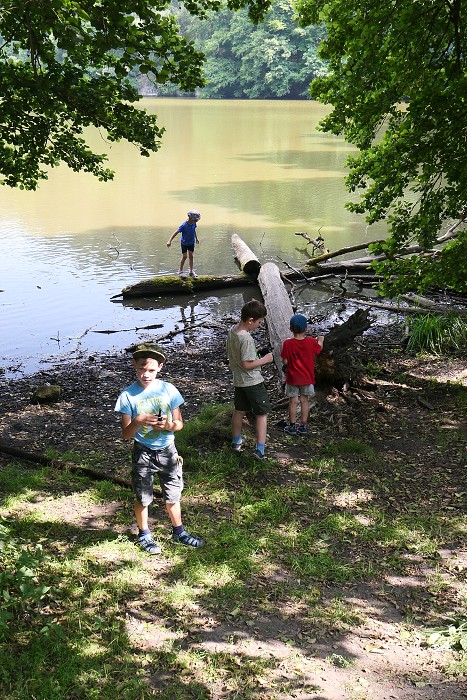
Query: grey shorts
{"type": "Point", "coordinates": [292, 390]}
{"type": "Point", "coordinates": [166, 463]}
{"type": "Point", "coordinates": [252, 398]}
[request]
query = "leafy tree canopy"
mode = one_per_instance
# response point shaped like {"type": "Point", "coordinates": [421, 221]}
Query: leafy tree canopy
{"type": "Point", "coordinates": [275, 59]}
{"type": "Point", "coordinates": [412, 165]}
{"type": "Point", "coordinates": [66, 64]}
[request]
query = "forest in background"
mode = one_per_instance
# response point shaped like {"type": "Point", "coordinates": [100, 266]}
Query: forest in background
{"type": "Point", "coordinates": [276, 59]}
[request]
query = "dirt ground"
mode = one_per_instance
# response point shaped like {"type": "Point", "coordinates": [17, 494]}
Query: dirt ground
{"type": "Point", "coordinates": [407, 408]}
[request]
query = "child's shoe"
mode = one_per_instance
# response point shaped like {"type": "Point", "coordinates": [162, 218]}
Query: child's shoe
{"type": "Point", "coordinates": [302, 429]}
{"type": "Point", "coordinates": [188, 540]}
{"type": "Point", "coordinates": [290, 429]}
{"type": "Point", "coordinates": [237, 446]}
{"type": "Point", "coordinates": [257, 454]}
{"type": "Point", "coordinates": [193, 274]}
{"type": "Point", "coordinates": [147, 544]}
{"type": "Point", "coordinates": [181, 273]}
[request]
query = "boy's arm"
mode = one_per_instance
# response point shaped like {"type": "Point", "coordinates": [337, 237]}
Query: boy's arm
{"type": "Point", "coordinates": [169, 242]}
{"type": "Point", "coordinates": [259, 362]}
{"type": "Point", "coordinates": [320, 340]}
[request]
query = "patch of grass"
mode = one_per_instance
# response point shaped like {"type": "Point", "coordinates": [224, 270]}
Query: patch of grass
{"type": "Point", "coordinates": [112, 622]}
{"type": "Point", "coordinates": [349, 446]}
{"type": "Point", "coordinates": [436, 334]}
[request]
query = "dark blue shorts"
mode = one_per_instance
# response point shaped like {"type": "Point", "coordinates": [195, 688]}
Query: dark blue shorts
{"type": "Point", "coordinates": [186, 248]}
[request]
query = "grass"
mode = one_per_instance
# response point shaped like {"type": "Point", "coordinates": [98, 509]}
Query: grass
{"type": "Point", "coordinates": [86, 615]}
{"type": "Point", "coordinates": [436, 334]}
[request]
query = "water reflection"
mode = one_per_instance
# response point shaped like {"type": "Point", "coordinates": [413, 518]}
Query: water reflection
{"type": "Point", "coordinates": [255, 168]}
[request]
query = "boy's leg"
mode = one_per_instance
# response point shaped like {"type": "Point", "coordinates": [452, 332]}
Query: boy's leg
{"type": "Point", "coordinates": [182, 261]}
{"type": "Point", "coordinates": [305, 408]}
{"type": "Point", "coordinates": [261, 429]}
{"type": "Point", "coordinates": [237, 423]}
{"type": "Point", "coordinates": [293, 403]}
{"type": "Point", "coordinates": [141, 514]}
{"type": "Point", "coordinates": [175, 513]}
{"type": "Point", "coordinates": [190, 260]}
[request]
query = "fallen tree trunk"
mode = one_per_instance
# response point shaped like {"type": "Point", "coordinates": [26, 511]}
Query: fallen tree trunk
{"type": "Point", "coordinates": [279, 309]}
{"type": "Point", "coordinates": [247, 260]}
{"type": "Point", "coordinates": [172, 284]}
{"type": "Point", "coordinates": [37, 458]}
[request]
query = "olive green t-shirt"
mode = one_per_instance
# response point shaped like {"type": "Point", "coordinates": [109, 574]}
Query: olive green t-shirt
{"type": "Point", "coordinates": [241, 346]}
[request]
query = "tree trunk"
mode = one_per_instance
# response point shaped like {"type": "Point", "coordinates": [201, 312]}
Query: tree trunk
{"type": "Point", "coordinates": [171, 284]}
{"type": "Point", "coordinates": [38, 458]}
{"type": "Point", "coordinates": [278, 306]}
{"type": "Point", "coordinates": [247, 260]}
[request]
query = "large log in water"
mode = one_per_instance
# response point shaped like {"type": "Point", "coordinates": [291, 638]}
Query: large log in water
{"type": "Point", "coordinates": [249, 263]}
{"type": "Point", "coordinates": [172, 284]}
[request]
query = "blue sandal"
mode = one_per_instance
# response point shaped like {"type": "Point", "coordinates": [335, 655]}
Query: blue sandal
{"type": "Point", "coordinates": [189, 540]}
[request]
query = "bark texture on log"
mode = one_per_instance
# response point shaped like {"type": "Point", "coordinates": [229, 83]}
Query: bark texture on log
{"type": "Point", "coordinates": [171, 284]}
{"type": "Point", "coordinates": [249, 263]}
{"type": "Point", "coordinates": [278, 306]}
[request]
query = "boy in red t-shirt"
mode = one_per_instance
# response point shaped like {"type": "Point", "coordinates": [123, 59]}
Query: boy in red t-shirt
{"type": "Point", "coordinates": [298, 354]}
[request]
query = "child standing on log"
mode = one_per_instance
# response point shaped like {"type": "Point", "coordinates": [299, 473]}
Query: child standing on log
{"type": "Point", "coordinates": [188, 240]}
{"type": "Point", "coordinates": [250, 392]}
{"type": "Point", "coordinates": [150, 414]}
{"type": "Point", "coordinates": [298, 354]}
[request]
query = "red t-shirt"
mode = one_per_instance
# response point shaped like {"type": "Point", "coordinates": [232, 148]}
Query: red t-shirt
{"type": "Point", "coordinates": [300, 356]}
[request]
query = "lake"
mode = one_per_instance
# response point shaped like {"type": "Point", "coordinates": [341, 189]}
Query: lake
{"type": "Point", "coordinates": [257, 168]}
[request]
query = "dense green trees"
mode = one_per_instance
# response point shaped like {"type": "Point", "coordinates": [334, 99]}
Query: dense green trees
{"type": "Point", "coordinates": [412, 166]}
{"type": "Point", "coordinates": [65, 65]}
{"type": "Point", "coordinates": [275, 59]}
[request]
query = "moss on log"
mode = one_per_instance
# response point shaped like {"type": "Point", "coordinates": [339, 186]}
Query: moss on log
{"type": "Point", "coordinates": [173, 284]}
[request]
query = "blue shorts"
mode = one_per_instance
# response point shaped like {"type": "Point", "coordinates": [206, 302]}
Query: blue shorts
{"type": "Point", "coordinates": [186, 248]}
{"type": "Point", "coordinates": [166, 463]}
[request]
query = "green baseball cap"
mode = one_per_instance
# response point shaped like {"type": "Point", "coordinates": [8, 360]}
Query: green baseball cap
{"type": "Point", "coordinates": [148, 350]}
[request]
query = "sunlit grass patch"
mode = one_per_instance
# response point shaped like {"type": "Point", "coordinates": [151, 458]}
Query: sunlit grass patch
{"type": "Point", "coordinates": [436, 334]}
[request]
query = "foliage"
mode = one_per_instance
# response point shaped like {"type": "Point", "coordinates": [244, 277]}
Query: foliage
{"type": "Point", "coordinates": [21, 591]}
{"type": "Point", "coordinates": [452, 636]}
{"type": "Point", "coordinates": [68, 64]}
{"type": "Point", "coordinates": [398, 87]}
{"type": "Point", "coordinates": [276, 59]}
{"type": "Point", "coordinates": [436, 334]}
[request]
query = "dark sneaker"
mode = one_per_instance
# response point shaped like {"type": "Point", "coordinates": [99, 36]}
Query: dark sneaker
{"type": "Point", "coordinates": [302, 429]}
{"type": "Point", "coordinates": [257, 454]}
{"type": "Point", "coordinates": [237, 446]}
{"type": "Point", "coordinates": [290, 429]}
{"type": "Point", "coordinates": [188, 540]}
{"type": "Point", "coordinates": [147, 544]}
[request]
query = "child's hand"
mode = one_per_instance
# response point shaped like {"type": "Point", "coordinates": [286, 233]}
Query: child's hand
{"type": "Point", "coordinates": [169, 243]}
{"type": "Point", "coordinates": [268, 358]}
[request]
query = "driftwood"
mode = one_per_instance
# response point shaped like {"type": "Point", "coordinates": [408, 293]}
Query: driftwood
{"type": "Point", "coordinates": [172, 284]}
{"type": "Point", "coordinates": [278, 306]}
{"type": "Point", "coordinates": [37, 458]}
{"type": "Point", "coordinates": [247, 260]}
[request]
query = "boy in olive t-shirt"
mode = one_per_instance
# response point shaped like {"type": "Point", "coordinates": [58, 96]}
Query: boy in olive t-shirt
{"type": "Point", "coordinates": [250, 392]}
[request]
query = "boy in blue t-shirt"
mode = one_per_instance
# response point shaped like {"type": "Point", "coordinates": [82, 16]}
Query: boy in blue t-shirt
{"type": "Point", "coordinates": [150, 414]}
{"type": "Point", "coordinates": [187, 241]}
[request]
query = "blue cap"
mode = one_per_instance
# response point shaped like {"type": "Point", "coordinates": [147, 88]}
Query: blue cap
{"type": "Point", "coordinates": [298, 323]}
